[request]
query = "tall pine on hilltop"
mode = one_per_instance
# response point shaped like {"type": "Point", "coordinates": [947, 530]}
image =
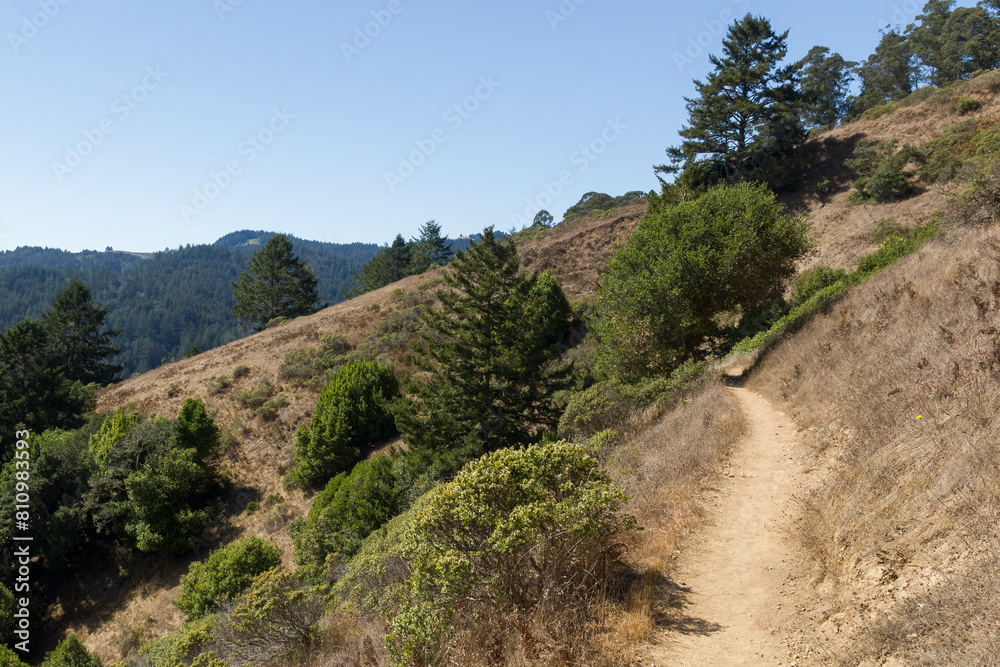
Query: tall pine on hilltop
{"type": "Point", "coordinates": [744, 109]}
{"type": "Point", "coordinates": [278, 284]}
{"type": "Point", "coordinates": [490, 358]}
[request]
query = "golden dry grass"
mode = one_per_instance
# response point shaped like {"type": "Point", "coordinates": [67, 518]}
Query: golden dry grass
{"type": "Point", "coordinates": [898, 386]}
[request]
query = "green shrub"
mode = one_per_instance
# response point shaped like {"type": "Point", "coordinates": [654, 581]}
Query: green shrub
{"type": "Point", "coordinates": [308, 363]}
{"type": "Point", "coordinates": [255, 398]}
{"type": "Point", "coordinates": [881, 172]}
{"type": "Point", "coordinates": [272, 622]}
{"type": "Point", "coordinates": [218, 384]}
{"type": "Point", "coordinates": [225, 575]}
{"type": "Point", "coordinates": [7, 609]}
{"type": "Point", "coordinates": [809, 284]}
{"type": "Point", "coordinates": [174, 389]}
{"type": "Point", "coordinates": [189, 642]}
{"type": "Point", "coordinates": [345, 513]}
{"type": "Point", "coordinates": [610, 403]}
{"type": "Point", "coordinates": [9, 658]}
{"type": "Point", "coordinates": [960, 150]}
{"type": "Point", "coordinates": [965, 105]}
{"type": "Point", "coordinates": [241, 371]}
{"type": "Point", "coordinates": [71, 652]}
{"type": "Point", "coordinates": [269, 410]}
{"type": "Point", "coordinates": [113, 430]}
{"type": "Point", "coordinates": [826, 187]}
{"type": "Point", "coordinates": [515, 530]}
{"type": "Point", "coordinates": [196, 430]}
{"type": "Point", "coordinates": [350, 414]}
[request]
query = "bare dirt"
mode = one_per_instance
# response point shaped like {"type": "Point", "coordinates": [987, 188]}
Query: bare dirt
{"type": "Point", "coordinates": [741, 594]}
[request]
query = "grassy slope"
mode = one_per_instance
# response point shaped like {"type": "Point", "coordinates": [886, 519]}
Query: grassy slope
{"type": "Point", "coordinates": [574, 253]}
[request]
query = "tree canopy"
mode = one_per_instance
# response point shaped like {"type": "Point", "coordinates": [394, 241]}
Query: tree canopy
{"type": "Point", "coordinates": [278, 284]}
{"type": "Point", "coordinates": [730, 251]}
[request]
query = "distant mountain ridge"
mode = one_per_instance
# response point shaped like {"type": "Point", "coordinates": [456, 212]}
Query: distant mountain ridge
{"type": "Point", "coordinates": [167, 301]}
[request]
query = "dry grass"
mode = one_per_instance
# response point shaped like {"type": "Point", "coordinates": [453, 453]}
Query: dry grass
{"type": "Point", "coordinates": [898, 386]}
{"type": "Point", "coordinates": [664, 464]}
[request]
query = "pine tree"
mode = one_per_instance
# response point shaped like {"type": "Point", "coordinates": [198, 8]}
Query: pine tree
{"type": "Point", "coordinates": [278, 284]}
{"type": "Point", "coordinates": [392, 263]}
{"type": "Point", "coordinates": [429, 249]}
{"type": "Point", "coordinates": [75, 328]}
{"type": "Point", "coordinates": [489, 355]}
{"type": "Point", "coordinates": [744, 95]}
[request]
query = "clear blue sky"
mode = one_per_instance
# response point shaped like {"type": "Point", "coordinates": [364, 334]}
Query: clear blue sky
{"type": "Point", "coordinates": [117, 114]}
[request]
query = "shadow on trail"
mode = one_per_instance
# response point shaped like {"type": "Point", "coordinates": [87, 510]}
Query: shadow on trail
{"type": "Point", "coordinates": [673, 616]}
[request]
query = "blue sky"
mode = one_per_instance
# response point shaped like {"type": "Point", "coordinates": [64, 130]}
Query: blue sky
{"type": "Point", "coordinates": [146, 124]}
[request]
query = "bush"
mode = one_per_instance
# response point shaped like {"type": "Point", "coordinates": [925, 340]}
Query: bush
{"type": "Point", "coordinates": [269, 411]}
{"type": "Point", "coordinates": [189, 642]}
{"type": "Point", "coordinates": [255, 398]}
{"type": "Point", "coordinates": [113, 430]}
{"type": "Point", "coordinates": [196, 430]}
{"type": "Point", "coordinates": [273, 621]}
{"type": "Point", "coordinates": [809, 284]}
{"type": "Point", "coordinates": [610, 403]}
{"type": "Point", "coordinates": [71, 652]}
{"type": "Point", "coordinates": [241, 371]}
{"type": "Point", "coordinates": [729, 251]}
{"type": "Point", "coordinates": [880, 168]}
{"type": "Point", "coordinates": [7, 609]}
{"type": "Point", "coordinates": [225, 575]}
{"type": "Point", "coordinates": [505, 548]}
{"type": "Point", "coordinates": [218, 384]}
{"type": "Point", "coordinates": [966, 105]}
{"type": "Point", "coordinates": [308, 363]}
{"type": "Point", "coordinates": [174, 389]}
{"type": "Point", "coordinates": [10, 659]}
{"type": "Point", "coordinates": [345, 513]}
{"type": "Point", "coordinates": [350, 414]}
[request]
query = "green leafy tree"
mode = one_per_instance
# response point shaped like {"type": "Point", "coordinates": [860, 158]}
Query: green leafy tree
{"type": "Point", "coordinates": [489, 354]}
{"type": "Point", "coordinates": [825, 84]}
{"type": "Point", "coordinates": [225, 575]}
{"type": "Point", "coordinates": [71, 652]}
{"type": "Point", "coordinates": [428, 249]}
{"type": "Point", "coordinates": [542, 219]}
{"type": "Point", "coordinates": [741, 109]}
{"type": "Point", "coordinates": [278, 284]}
{"type": "Point", "coordinates": [78, 336]}
{"type": "Point", "coordinates": [730, 251]}
{"type": "Point", "coordinates": [196, 430]}
{"type": "Point", "coordinates": [349, 509]}
{"type": "Point", "coordinates": [951, 43]}
{"type": "Point", "coordinates": [352, 412]}
{"type": "Point", "coordinates": [513, 530]}
{"type": "Point", "coordinates": [890, 74]}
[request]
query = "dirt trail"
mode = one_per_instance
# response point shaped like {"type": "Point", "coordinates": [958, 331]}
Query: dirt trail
{"type": "Point", "coordinates": [741, 585]}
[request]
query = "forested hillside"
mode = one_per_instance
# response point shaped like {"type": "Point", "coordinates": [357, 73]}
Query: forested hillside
{"type": "Point", "coordinates": [163, 302]}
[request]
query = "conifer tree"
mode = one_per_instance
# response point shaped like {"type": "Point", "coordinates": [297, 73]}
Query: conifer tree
{"type": "Point", "coordinates": [278, 284]}
{"type": "Point", "coordinates": [489, 355]}
{"type": "Point", "coordinates": [392, 263]}
{"type": "Point", "coordinates": [825, 87]}
{"type": "Point", "coordinates": [75, 327]}
{"type": "Point", "coordinates": [889, 74]}
{"type": "Point", "coordinates": [429, 249]}
{"type": "Point", "coordinates": [739, 107]}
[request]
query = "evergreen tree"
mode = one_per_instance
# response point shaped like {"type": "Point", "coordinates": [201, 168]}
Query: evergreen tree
{"type": "Point", "coordinates": [392, 263]}
{"type": "Point", "coordinates": [75, 327]}
{"type": "Point", "coordinates": [889, 74]}
{"type": "Point", "coordinates": [739, 115]}
{"type": "Point", "coordinates": [951, 43]}
{"type": "Point", "coordinates": [429, 249]}
{"type": "Point", "coordinates": [489, 354]}
{"type": "Point", "coordinates": [825, 87]}
{"type": "Point", "coordinates": [278, 284]}
{"type": "Point", "coordinates": [34, 390]}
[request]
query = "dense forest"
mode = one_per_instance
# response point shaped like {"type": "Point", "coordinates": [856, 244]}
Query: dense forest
{"type": "Point", "coordinates": [165, 302]}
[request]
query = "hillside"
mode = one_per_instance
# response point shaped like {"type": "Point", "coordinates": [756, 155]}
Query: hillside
{"type": "Point", "coordinates": [857, 538]}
